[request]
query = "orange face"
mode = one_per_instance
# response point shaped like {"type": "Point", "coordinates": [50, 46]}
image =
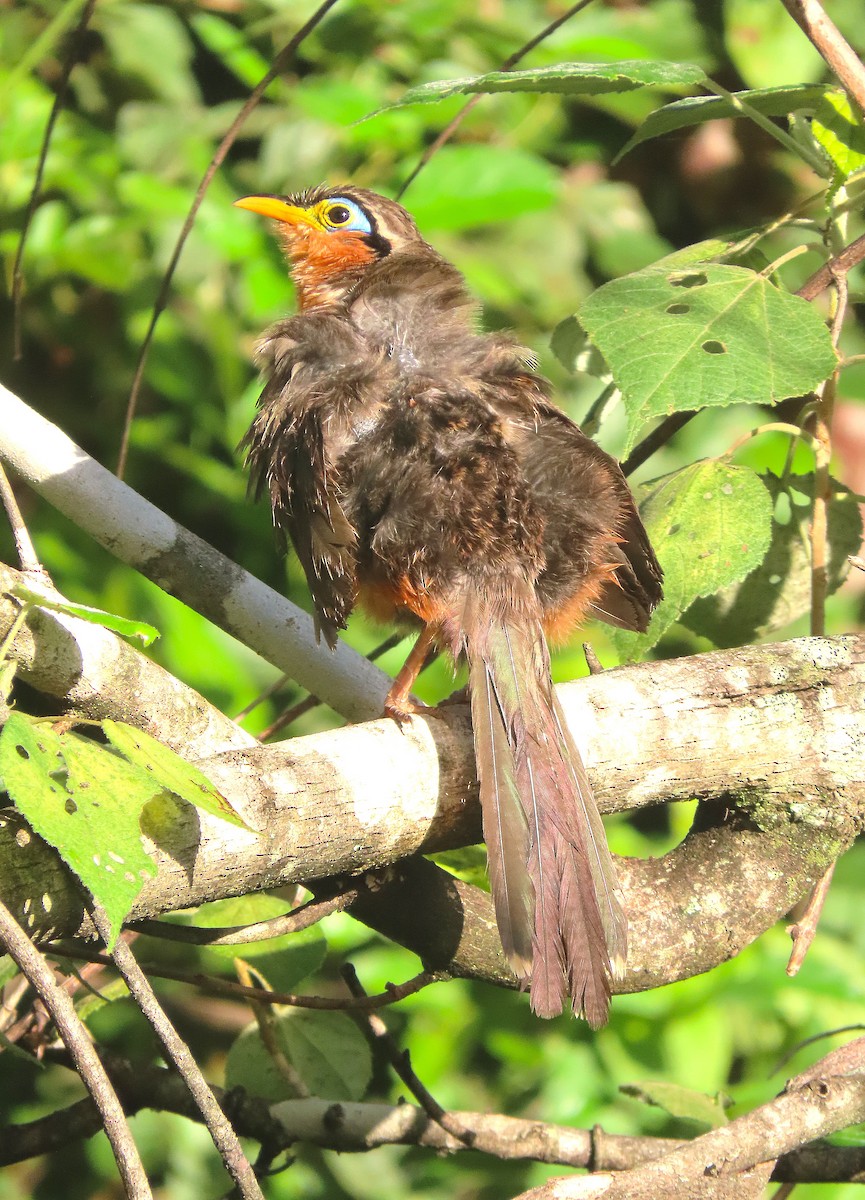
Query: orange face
{"type": "Point", "coordinates": [323, 242]}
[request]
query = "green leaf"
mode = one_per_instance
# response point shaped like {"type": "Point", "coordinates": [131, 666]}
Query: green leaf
{"type": "Point", "coordinates": [569, 79]}
{"type": "Point", "coordinates": [710, 526]}
{"type": "Point", "coordinates": [284, 961]}
{"type": "Point", "coordinates": [778, 591]}
{"type": "Point", "coordinates": [713, 335]}
{"type": "Point", "coordinates": [96, 616]}
{"type": "Point", "coordinates": [839, 132]}
{"type": "Point", "coordinates": [490, 183]}
{"type": "Point", "coordinates": [682, 1102]}
{"type": "Point", "coordinates": [327, 1050]}
{"type": "Point", "coordinates": [575, 352]}
{"type": "Point", "coordinates": [695, 110]}
{"type": "Point", "coordinates": [85, 801]}
{"type": "Point", "coordinates": [169, 771]}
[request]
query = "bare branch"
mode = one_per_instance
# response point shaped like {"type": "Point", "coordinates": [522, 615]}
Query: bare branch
{"type": "Point", "coordinates": [224, 1137]}
{"type": "Point", "coordinates": [251, 102]}
{"type": "Point", "coordinates": [75, 1038]}
{"type": "Point", "coordinates": [840, 56]}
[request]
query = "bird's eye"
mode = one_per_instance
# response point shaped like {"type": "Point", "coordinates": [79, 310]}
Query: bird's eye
{"type": "Point", "coordinates": [338, 214]}
{"type": "Point", "coordinates": [344, 215]}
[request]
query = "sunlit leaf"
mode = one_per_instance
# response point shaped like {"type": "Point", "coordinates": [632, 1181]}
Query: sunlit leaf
{"type": "Point", "coordinates": [685, 339]}
{"type": "Point", "coordinates": [710, 525]}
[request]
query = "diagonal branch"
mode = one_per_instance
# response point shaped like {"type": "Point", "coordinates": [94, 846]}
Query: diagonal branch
{"type": "Point", "coordinates": [139, 534]}
{"type": "Point", "coordinates": [31, 962]}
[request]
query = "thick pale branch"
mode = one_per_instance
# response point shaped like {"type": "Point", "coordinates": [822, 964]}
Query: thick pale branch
{"type": "Point", "coordinates": [139, 534]}
{"type": "Point", "coordinates": [90, 671]}
{"type": "Point", "coordinates": [778, 729]}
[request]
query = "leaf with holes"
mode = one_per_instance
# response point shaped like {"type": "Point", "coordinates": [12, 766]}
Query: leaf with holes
{"type": "Point", "coordinates": [779, 590]}
{"type": "Point", "coordinates": [169, 771]}
{"type": "Point", "coordinates": [710, 525]}
{"type": "Point", "coordinates": [710, 335]}
{"type": "Point", "coordinates": [85, 801]}
{"type": "Point", "coordinates": [326, 1049]}
{"type": "Point", "coordinates": [569, 79]}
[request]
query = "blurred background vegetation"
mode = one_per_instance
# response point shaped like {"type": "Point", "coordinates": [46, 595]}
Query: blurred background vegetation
{"type": "Point", "coordinates": [526, 202]}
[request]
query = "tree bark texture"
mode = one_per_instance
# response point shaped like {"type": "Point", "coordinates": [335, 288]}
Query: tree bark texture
{"type": "Point", "coordinates": [771, 738]}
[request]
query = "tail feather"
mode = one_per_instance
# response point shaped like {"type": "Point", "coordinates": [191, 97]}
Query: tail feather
{"type": "Point", "coordinates": [552, 877]}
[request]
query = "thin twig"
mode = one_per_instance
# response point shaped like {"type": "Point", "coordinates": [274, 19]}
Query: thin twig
{"type": "Point", "coordinates": [226, 987]}
{"type": "Point", "coordinates": [833, 270]}
{"type": "Point", "coordinates": [803, 932]}
{"type": "Point", "coordinates": [266, 1022]}
{"type": "Point", "coordinates": [839, 55]}
{"type": "Point", "coordinates": [290, 715]}
{"type": "Point", "coordinates": [659, 436]}
{"type": "Point", "coordinates": [56, 108]}
{"type": "Point", "coordinates": [215, 163]}
{"type": "Point", "coordinates": [508, 65]}
{"type": "Point", "coordinates": [300, 918]}
{"type": "Point", "coordinates": [400, 1060]}
{"type": "Point", "coordinates": [76, 1039]}
{"type": "Point", "coordinates": [219, 1127]}
{"type": "Point", "coordinates": [27, 556]}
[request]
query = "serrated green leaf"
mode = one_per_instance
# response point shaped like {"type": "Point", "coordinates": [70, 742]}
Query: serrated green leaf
{"type": "Point", "coordinates": [682, 1102]}
{"type": "Point", "coordinates": [169, 771]}
{"type": "Point", "coordinates": [711, 335]}
{"type": "Point", "coordinates": [695, 110]}
{"type": "Point", "coordinates": [96, 616]}
{"type": "Point", "coordinates": [778, 591]}
{"type": "Point", "coordinates": [839, 133]}
{"type": "Point", "coordinates": [85, 801]}
{"type": "Point", "coordinates": [570, 79]}
{"type": "Point", "coordinates": [710, 526]}
{"type": "Point", "coordinates": [327, 1050]}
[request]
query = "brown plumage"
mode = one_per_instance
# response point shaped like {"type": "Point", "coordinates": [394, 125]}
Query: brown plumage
{"type": "Point", "coordinates": [420, 469]}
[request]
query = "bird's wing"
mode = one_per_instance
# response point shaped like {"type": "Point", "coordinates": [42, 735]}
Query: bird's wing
{"type": "Point", "coordinates": [292, 453]}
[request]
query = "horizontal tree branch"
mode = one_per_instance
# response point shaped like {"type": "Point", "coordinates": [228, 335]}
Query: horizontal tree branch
{"type": "Point", "coordinates": [777, 730]}
{"type": "Point", "coordinates": [179, 562]}
{"type": "Point", "coordinates": [355, 1127]}
{"type": "Point", "coordinates": [724, 1161]}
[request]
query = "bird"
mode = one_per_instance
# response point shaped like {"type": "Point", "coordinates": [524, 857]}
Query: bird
{"type": "Point", "coordinates": [421, 471]}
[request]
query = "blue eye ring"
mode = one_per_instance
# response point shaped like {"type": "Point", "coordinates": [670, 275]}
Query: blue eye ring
{"type": "Point", "coordinates": [344, 215]}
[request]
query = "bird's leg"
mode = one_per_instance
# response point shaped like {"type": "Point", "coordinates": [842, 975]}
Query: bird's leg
{"type": "Point", "coordinates": [400, 704]}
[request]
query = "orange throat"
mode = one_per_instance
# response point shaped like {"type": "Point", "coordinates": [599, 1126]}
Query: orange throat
{"type": "Point", "coordinates": [323, 264]}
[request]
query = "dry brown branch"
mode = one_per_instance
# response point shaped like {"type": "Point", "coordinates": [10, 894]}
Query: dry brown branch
{"type": "Point", "coordinates": [75, 1037]}
{"type": "Point", "coordinates": [840, 56]}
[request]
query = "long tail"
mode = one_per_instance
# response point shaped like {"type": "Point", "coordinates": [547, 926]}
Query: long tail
{"type": "Point", "coordinates": [552, 877]}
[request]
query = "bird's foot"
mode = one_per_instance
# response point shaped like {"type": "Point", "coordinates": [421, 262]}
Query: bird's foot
{"type": "Point", "coordinates": [401, 706]}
